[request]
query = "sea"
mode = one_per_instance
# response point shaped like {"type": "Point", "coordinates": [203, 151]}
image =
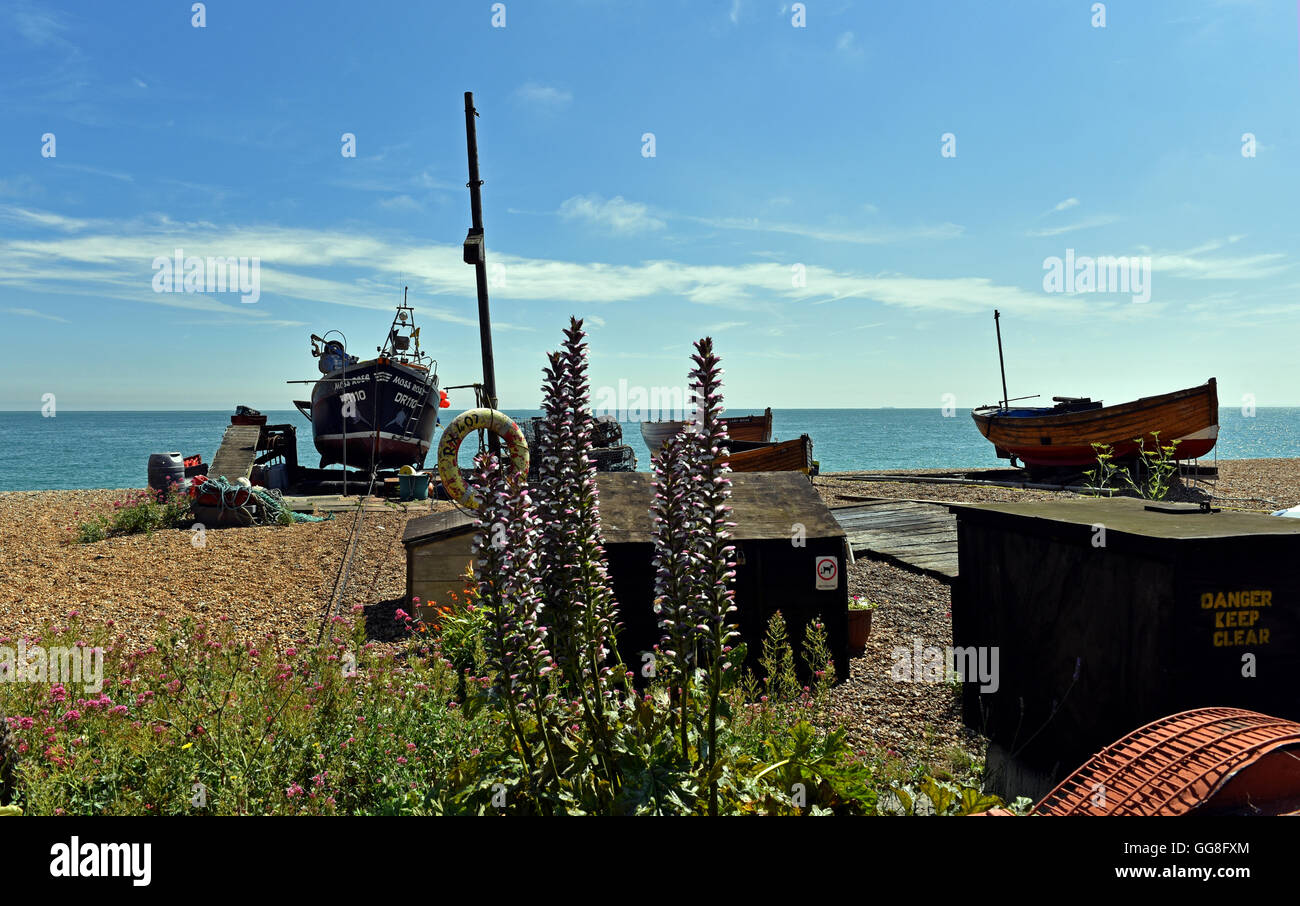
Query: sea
{"type": "Point", "coordinates": [74, 450]}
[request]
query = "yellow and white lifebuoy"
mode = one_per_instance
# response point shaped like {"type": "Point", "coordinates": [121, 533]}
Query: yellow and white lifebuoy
{"type": "Point", "coordinates": [460, 428]}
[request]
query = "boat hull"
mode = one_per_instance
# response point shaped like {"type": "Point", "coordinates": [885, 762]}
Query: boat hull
{"type": "Point", "coordinates": [379, 412]}
{"type": "Point", "coordinates": [782, 456]}
{"type": "Point", "coordinates": [755, 428]}
{"type": "Point", "coordinates": [1189, 416]}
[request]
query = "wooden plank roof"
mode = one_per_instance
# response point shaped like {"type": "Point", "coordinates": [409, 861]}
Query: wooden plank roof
{"type": "Point", "coordinates": [765, 506]}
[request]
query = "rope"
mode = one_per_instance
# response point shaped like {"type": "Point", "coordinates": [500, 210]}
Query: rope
{"type": "Point", "coordinates": [273, 505]}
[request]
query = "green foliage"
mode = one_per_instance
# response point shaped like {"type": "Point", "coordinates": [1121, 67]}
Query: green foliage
{"type": "Point", "coordinates": [140, 512]}
{"type": "Point", "coordinates": [204, 723]}
{"type": "Point", "coordinates": [1152, 476]}
{"type": "Point", "coordinates": [780, 679]}
{"type": "Point", "coordinates": [936, 797]}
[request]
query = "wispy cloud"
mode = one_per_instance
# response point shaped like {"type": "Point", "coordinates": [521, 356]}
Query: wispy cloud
{"type": "Point", "coordinates": [1063, 206]}
{"type": "Point", "coordinates": [735, 12]}
{"type": "Point", "coordinates": [617, 213]}
{"type": "Point", "coordinates": [401, 203]}
{"type": "Point", "coordinates": [33, 313]}
{"type": "Point", "coordinates": [546, 97]}
{"type": "Point", "coordinates": [847, 45]}
{"type": "Point", "coordinates": [1201, 262]}
{"type": "Point", "coordinates": [96, 171]}
{"type": "Point", "coordinates": [40, 27]}
{"type": "Point", "coordinates": [857, 237]}
{"type": "Point", "coordinates": [1087, 223]}
{"type": "Point", "coordinates": [113, 258]}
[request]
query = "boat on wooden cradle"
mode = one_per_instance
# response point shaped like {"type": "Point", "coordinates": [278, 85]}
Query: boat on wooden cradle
{"type": "Point", "coordinates": [1063, 435]}
{"type": "Point", "coordinates": [376, 414]}
{"type": "Point", "coordinates": [751, 428]}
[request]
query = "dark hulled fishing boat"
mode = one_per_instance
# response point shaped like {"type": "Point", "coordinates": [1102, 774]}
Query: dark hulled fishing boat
{"type": "Point", "coordinates": [375, 414]}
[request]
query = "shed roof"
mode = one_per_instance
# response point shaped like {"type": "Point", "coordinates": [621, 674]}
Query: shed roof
{"type": "Point", "coordinates": [765, 506]}
{"type": "Point", "coordinates": [1129, 515]}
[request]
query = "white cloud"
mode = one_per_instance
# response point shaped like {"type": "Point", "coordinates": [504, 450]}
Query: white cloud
{"type": "Point", "coordinates": [847, 45]}
{"type": "Point", "coordinates": [1065, 205]}
{"type": "Point", "coordinates": [1193, 263]}
{"type": "Point", "coordinates": [858, 237]}
{"type": "Point", "coordinates": [617, 213]}
{"type": "Point", "coordinates": [1085, 224]}
{"type": "Point", "coordinates": [114, 259]}
{"type": "Point", "coordinates": [401, 203]}
{"type": "Point", "coordinates": [544, 96]}
{"type": "Point", "coordinates": [33, 313]}
{"type": "Point", "coordinates": [735, 12]}
{"type": "Point", "coordinates": [140, 83]}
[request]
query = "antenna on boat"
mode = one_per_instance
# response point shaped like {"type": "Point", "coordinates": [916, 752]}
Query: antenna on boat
{"type": "Point", "coordinates": [473, 253]}
{"type": "Point", "coordinates": [1001, 364]}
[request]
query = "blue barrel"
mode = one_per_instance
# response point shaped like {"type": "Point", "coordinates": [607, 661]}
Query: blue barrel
{"type": "Point", "coordinates": [166, 470]}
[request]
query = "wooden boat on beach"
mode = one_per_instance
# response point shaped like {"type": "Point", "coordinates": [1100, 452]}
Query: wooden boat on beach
{"type": "Point", "coordinates": [749, 428]}
{"type": "Point", "coordinates": [1063, 435]}
{"type": "Point", "coordinates": [781, 456]}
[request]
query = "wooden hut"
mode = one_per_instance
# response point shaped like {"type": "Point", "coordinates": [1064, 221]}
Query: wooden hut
{"type": "Point", "coordinates": [791, 556]}
{"type": "Point", "coordinates": [1108, 614]}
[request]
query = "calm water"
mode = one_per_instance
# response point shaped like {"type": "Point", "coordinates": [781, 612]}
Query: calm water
{"type": "Point", "coordinates": [111, 449]}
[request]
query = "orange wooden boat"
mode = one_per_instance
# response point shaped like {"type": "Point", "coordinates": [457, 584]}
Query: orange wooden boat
{"type": "Point", "coordinates": [1063, 435]}
{"type": "Point", "coordinates": [753, 428]}
{"type": "Point", "coordinates": [781, 456]}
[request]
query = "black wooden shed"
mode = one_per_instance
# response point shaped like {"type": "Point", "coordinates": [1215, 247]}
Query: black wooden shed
{"type": "Point", "coordinates": [1109, 614]}
{"type": "Point", "coordinates": [791, 557]}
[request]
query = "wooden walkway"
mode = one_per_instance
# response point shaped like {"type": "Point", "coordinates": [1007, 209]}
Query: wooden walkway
{"type": "Point", "coordinates": [336, 503]}
{"type": "Point", "coordinates": [922, 536]}
{"type": "Point", "coordinates": [234, 458]}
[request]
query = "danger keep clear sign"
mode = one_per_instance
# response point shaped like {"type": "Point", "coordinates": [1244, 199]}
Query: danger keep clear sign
{"type": "Point", "coordinates": [828, 572]}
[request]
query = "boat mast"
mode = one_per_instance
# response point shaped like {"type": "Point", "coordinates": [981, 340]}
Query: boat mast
{"type": "Point", "coordinates": [474, 254]}
{"type": "Point", "coordinates": [1001, 364]}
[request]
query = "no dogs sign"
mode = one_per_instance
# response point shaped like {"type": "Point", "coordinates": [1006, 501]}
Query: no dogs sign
{"type": "Point", "coordinates": [828, 572]}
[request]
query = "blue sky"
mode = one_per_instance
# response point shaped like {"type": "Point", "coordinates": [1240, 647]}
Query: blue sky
{"type": "Point", "coordinates": [775, 146]}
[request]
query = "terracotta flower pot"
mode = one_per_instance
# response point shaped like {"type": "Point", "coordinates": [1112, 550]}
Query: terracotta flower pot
{"type": "Point", "coordinates": [859, 630]}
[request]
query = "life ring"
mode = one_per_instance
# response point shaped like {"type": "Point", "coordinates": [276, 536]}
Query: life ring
{"type": "Point", "coordinates": [461, 427]}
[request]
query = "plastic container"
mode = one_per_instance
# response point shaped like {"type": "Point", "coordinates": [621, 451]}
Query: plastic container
{"type": "Point", "coordinates": [165, 471]}
{"type": "Point", "coordinates": [413, 487]}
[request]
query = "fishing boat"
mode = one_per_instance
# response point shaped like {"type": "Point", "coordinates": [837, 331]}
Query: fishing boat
{"type": "Point", "coordinates": [379, 413]}
{"type": "Point", "coordinates": [749, 428]}
{"type": "Point", "coordinates": [1063, 435]}
{"type": "Point", "coordinates": [779, 456]}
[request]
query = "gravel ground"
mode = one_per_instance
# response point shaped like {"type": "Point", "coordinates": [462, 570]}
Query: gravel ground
{"type": "Point", "coordinates": [278, 579]}
{"type": "Point", "coordinates": [264, 578]}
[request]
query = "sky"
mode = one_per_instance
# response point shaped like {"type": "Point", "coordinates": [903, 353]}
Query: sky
{"type": "Point", "coordinates": [839, 193]}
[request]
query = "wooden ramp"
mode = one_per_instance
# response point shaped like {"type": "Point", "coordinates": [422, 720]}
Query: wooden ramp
{"type": "Point", "coordinates": [235, 456]}
{"type": "Point", "coordinates": [922, 536]}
